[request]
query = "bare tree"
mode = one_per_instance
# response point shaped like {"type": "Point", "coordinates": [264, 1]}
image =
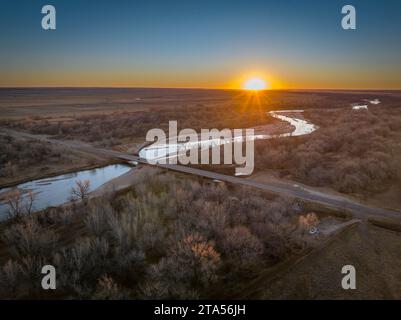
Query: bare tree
{"type": "Point", "coordinates": [28, 203]}
{"type": "Point", "coordinates": [81, 190]}
{"type": "Point", "coordinates": [241, 246]}
{"type": "Point", "coordinates": [14, 200]}
{"type": "Point", "coordinates": [19, 205]}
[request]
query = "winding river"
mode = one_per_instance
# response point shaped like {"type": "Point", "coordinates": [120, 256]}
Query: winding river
{"type": "Point", "coordinates": [55, 191]}
{"type": "Point", "coordinates": [167, 149]}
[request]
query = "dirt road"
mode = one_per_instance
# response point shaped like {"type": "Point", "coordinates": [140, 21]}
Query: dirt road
{"type": "Point", "coordinates": [359, 210]}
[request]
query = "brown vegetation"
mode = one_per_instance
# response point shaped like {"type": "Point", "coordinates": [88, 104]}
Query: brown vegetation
{"type": "Point", "coordinates": [20, 158]}
{"type": "Point", "coordinates": [165, 238]}
{"type": "Point", "coordinates": [110, 130]}
{"type": "Point", "coordinates": [352, 152]}
{"type": "Point", "coordinates": [16, 154]}
{"type": "Point", "coordinates": [20, 205]}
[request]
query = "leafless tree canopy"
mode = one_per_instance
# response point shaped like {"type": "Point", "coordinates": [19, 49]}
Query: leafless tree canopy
{"type": "Point", "coordinates": [20, 203]}
{"type": "Point", "coordinates": [352, 152]}
{"type": "Point", "coordinates": [18, 155]}
{"type": "Point", "coordinates": [81, 190]}
{"type": "Point", "coordinates": [165, 238]}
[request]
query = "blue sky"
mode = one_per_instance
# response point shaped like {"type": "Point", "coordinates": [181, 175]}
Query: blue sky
{"type": "Point", "coordinates": [200, 43]}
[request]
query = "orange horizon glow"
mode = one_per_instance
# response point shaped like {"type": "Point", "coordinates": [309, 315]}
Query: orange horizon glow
{"type": "Point", "coordinates": [235, 80]}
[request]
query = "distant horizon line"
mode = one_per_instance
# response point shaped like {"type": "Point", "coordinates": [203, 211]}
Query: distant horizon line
{"type": "Point", "coordinates": [197, 88]}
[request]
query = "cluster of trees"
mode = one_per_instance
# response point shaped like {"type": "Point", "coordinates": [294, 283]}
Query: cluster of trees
{"type": "Point", "coordinates": [353, 151]}
{"type": "Point", "coordinates": [20, 203]}
{"type": "Point", "coordinates": [111, 129]}
{"type": "Point", "coordinates": [164, 238]}
{"type": "Point", "coordinates": [18, 155]}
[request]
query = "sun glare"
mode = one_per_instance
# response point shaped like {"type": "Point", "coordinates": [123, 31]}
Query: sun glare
{"type": "Point", "coordinates": [255, 84]}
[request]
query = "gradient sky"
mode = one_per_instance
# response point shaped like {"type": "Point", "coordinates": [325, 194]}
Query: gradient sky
{"type": "Point", "coordinates": [208, 44]}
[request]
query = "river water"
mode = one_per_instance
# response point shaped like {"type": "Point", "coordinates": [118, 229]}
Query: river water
{"type": "Point", "coordinates": [160, 151]}
{"type": "Point", "coordinates": [56, 190]}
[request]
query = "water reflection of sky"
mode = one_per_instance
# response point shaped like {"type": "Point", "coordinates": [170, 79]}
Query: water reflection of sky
{"type": "Point", "coordinates": [56, 190]}
{"type": "Point", "coordinates": [160, 151]}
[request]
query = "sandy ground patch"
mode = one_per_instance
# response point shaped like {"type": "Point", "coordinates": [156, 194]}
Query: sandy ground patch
{"type": "Point", "coordinates": [122, 182]}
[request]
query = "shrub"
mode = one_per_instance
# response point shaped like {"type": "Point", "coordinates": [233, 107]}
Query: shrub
{"type": "Point", "coordinates": [28, 238]}
{"type": "Point", "coordinates": [241, 247]}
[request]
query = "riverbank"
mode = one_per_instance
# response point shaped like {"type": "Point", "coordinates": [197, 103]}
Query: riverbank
{"type": "Point", "coordinates": [55, 191]}
{"type": "Point", "coordinates": [59, 171]}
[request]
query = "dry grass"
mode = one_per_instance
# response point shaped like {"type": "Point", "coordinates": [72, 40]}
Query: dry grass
{"type": "Point", "coordinates": [22, 159]}
{"type": "Point", "coordinates": [373, 251]}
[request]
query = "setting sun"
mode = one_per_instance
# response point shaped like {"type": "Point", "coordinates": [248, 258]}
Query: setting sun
{"type": "Point", "coordinates": [255, 84]}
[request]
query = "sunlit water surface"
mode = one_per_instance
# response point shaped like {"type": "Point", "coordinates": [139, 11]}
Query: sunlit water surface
{"type": "Point", "coordinates": [56, 190]}
{"type": "Point", "coordinates": [162, 150]}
